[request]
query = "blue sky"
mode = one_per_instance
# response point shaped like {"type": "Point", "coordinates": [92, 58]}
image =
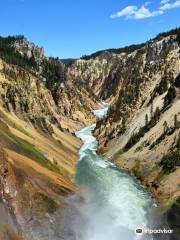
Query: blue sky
{"type": "Point", "coordinates": [72, 28]}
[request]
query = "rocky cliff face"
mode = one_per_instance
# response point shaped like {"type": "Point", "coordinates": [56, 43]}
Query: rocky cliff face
{"type": "Point", "coordinates": [37, 158]}
{"type": "Point", "coordinates": [143, 121]}
{"type": "Point", "coordinates": [24, 47]}
{"type": "Point", "coordinates": [43, 100]}
{"type": "Point", "coordinates": [39, 110]}
{"type": "Point", "coordinates": [136, 81]}
{"type": "Point", "coordinates": [141, 132]}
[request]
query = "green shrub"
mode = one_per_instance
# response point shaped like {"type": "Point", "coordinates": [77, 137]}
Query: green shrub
{"type": "Point", "coordinates": [148, 125]}
{"type": "Point", "coordinates": [177, 81]}
{"type": "Point", "coordinates": [175, 31]}
{"type": "Point", "coordinates": [50, 204]}
{"type": "Point", "coordinates": [171, 94]}
{"type": "Point", "coordinates": [29, 150]}
{"type": "Point", "coordinates": [131, 48]}
{"type": "Point", "coordinates": [54, 73]}
{"type": "Point", "coordinates": [171, 161]}
{"type": "Point", "coordinates": [11, 56]}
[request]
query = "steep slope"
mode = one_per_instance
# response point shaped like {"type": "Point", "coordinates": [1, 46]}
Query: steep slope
{"type": "Point", "coordinates": [141, 132]}
{"type": "Point", "coordinates": [38, 152]}
{"type": "Point", "coordinates": [37, 171]}
{"type": "Point", "coordinates": [143, 121]}
{"type": "Point", "coordinates": [44, 100]}
{"type": "Point", "coordinates": [48, 83]}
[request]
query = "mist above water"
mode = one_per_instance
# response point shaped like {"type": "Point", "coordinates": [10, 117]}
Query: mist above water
{"type": "Point", "coordinates": [113, 204]}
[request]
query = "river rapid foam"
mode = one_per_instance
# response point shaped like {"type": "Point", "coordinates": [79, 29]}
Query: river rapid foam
{"type": "Point", "coordinates": [114, 203]}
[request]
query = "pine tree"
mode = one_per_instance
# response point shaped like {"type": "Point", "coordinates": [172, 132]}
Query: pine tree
{"type": "Point", "coordinates": [178, 141]}
{"type": "Point", "coordinates": [175, 121]}
{"type": "Point", "coordinates": [146, 120]}
{"type": "Point", "coordinates": [177, 81]}
{"type": "Point", "coordinates": [170, 96]}
{"type": "Point", "coordinates": [165, 127]}
{"type": "Point", "coordinates": [157, 114]}
{"type": "Point", "coordinates": [152, 110]}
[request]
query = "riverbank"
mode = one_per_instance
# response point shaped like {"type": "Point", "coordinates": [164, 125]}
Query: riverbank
{"type": "Point", "coordinates": [108, 194]}
{"type": "Point", "coordinates": [163, 186]}
{"type": "Point", "coordinates": [37, 170]}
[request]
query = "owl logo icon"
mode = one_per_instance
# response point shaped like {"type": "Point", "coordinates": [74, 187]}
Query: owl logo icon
{"type": "Point", "coordinates": [139, 231]}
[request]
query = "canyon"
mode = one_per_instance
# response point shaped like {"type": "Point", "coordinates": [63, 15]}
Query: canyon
{"type": "Point", "coordinates": [45, 101]}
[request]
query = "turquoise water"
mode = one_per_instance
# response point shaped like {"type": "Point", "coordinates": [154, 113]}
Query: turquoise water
{"type": "Point", "coordinates": [115, 204]}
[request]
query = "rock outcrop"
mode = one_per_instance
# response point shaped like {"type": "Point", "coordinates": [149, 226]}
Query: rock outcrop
{"type": "Point", "coordinates": [143, 121]}
{"type": "Point", "coordinates": [39, 111]}
{"type": "Point", "coordinates": [24, 47]}
{"type": "Point", "coordinates": [142, 130]}
{"type": "Point", "coordinates": [44, 100]}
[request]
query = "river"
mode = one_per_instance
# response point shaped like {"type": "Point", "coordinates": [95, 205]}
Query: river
{"type": "Point", "coordinates": [115, 203]}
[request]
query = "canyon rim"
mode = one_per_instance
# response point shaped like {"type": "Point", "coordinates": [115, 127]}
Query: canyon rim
{"type": "Point", "coordinates": [129, 153]}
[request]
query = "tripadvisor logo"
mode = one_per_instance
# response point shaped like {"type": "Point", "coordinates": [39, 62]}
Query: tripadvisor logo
{"type": "Point", "coordinates": [140, 231]}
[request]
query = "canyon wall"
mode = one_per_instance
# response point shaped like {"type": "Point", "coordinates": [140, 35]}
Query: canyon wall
{"type": "Point", "coordinates": [141, 133]}
{"type": "Point", "coordinates": [44, 100]}
{"type": "Point", "coordinates": [38, 149]}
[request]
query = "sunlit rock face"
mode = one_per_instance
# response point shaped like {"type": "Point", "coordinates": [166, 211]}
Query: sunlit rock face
{"type": "Point", "coordinates": [104, 74]}
{"type": "Point", "coordinates": [41, 108]}
{"type": "Point", "coordinates": [143, 89]}
{"type": "Point", "coordinates": [23, 46]}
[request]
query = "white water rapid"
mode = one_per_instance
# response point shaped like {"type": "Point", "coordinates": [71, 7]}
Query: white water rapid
{"type": "Point", "coordinates": [115, 204]}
